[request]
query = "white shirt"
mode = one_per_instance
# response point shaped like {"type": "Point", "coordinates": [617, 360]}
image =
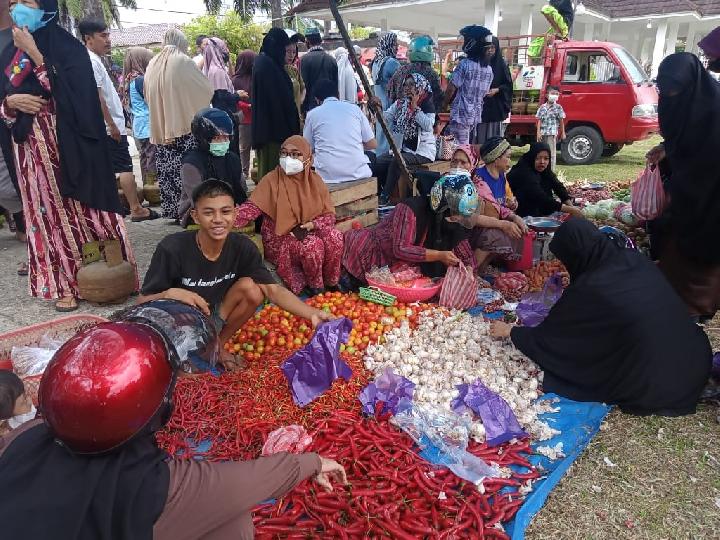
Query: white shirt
{"type": "Point", "coordinates": [336, 131]}
{"type": "Point", "coordinates": [112, 100]}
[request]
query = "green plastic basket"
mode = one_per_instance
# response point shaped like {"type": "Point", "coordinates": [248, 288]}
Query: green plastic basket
{"type": "Point", "coordinates": [373, 294]}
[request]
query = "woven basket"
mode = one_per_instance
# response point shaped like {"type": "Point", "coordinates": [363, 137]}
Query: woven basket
{"type": "Point", "coordinates": [375, 295]}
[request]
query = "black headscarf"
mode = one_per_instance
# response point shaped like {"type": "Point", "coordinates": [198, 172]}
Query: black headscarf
{"type": "Point", "coordinates": [118, 495]}
{"type": "Point", "coordinates": [273, 100]}
{"type": "Point", "coordinates": [439, 234]}
{"type": "Point", "coordinates": [690, 97]}
{"type": "Point", "coordinates": [497, 107]}
{"type": "Point", "coordinates": [533, 190]}
{"type": "Point", "coordinates": [475, 42]}
{"type": "Point", "coordinates": [86, 170]}
{"type": "Point", "coordinates": [601, 340]}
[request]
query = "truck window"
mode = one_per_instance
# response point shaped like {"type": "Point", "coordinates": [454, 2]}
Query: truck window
{"type": "Point", "coordinates": [633, 67]}
{"type": "Point", "coordinates": [591, 67]}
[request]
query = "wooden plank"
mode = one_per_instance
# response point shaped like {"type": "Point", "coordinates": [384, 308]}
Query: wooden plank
{"type": "Point", "coordinates": [365, 220]}
{"type": "Point", "coordinates": [354, 208]}
{"type": "Point", "coordinates": [437, 166]}
{"type": "Point", "coordinates": [352, 191]}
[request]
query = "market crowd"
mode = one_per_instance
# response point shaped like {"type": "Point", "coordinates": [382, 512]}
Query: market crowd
{"type": "Point", "coordinates": [197, 121]}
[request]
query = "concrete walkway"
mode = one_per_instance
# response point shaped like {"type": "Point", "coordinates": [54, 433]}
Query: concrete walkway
{"type": "Point", "coordinates": [18, 308]}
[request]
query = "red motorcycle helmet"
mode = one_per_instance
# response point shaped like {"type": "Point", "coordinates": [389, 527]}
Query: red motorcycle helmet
{"type": "Point", "coordinates": [107, 384]}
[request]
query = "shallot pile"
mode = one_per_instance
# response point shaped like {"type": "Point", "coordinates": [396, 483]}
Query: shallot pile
{"type": "Point", "coordinates": [446, 350]}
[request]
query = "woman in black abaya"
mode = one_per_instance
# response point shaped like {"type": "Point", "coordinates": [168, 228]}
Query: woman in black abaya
{"type": "Point", "coordinates": [496, 106]}
{"type": "Point", "coordinates": [690, 245]}
{"type": "Point", "coordinates": [619, 334]}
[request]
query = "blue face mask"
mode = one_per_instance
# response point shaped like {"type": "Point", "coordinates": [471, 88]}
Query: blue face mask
{"type": "Point", "coordinates": [219, 149]}
{"type": "Point", "coordinates": [24, 16]}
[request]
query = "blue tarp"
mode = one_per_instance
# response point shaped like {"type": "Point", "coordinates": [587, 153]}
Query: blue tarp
{"type": "Point", "coordinates": [578, 423]}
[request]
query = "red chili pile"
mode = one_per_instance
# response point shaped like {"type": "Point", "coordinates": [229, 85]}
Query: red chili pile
{"type": "Point", "coordinates": [392, 492]}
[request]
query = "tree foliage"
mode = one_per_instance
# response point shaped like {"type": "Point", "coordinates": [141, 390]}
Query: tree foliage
{"type": "Point", "coordinates": [233, 28]}
{"type": "Point", "coordinates": [106, 9]}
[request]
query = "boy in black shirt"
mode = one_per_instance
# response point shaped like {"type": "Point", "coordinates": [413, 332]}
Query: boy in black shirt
{"type": "Point", "coordinates": [219, 272]}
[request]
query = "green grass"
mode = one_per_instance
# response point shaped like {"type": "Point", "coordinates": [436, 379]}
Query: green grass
{"type": "Point", "coordinates": [622, 167]}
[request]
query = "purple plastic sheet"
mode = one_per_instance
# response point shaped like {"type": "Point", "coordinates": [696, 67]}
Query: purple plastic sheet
{"type": "Point", "coordinates": [497, 417]}
{"type": "Point", "coordinates": [395, 390]}
{"type": "Point", "coordinates": [534, 307]}
{"type": "Point", "coordinates": [312, 369]}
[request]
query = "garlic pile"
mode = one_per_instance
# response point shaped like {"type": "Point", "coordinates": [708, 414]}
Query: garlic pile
{"type": "Point", "coordinates": [447, 350]}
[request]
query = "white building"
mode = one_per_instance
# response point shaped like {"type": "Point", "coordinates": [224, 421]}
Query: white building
{"type": "Point", "coordinates": [649, 29]}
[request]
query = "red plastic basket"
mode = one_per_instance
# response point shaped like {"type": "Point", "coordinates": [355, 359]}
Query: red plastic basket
{"type": "Point", "coordinates": [407, 294]}
{"type": "Point", "coordinates": [61, 328]}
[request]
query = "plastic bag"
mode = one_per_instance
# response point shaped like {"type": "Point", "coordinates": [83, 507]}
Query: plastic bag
{"type": "Point", "coordinates": [312, 369]}
{"type": "Point", "coordinates": [293, 439]}
{"type": "Point", "coordinates": [512, 285]}
{"type": "Point", "coordinates": [534, 307]}
{"type": "Point", "coordinates": [28, 361]}
{"type": "Point", "coordinates": [648, 194]}
{"type": "Point", "coordinates": [394, 390]}
{"type": "Point", "coordinates": [443, 438]}
{"type": "Point", "coordinates": [497, 417]}
{"type": "Point", "coordinates": [459, 288]}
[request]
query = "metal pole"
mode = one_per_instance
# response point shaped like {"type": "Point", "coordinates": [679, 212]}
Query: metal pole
{"type": "Point", "coordinates": [368, 91]}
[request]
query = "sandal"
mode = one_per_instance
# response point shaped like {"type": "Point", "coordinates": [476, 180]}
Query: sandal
{"type": "Point", "coordinates": [66, 304]}
{"type": "Point", "coordinates": [152, 214]}
{"type": "Point", "coordinates": [22, 269]}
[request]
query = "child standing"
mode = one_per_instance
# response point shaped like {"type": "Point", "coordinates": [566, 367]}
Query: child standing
{"type": "Point", "coordinates": [551, 123]}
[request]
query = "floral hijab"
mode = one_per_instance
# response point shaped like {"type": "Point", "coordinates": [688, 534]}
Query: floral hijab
{"type": "Point", "coordinates": [405, 118]}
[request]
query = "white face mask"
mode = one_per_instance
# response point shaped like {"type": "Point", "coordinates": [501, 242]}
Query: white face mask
{"type": "Point", "coordinates": [291, 165]}
{"type": "Point", "coordinates": [16, 421]}
{"type": "Point", "coordinates": [552, 98]}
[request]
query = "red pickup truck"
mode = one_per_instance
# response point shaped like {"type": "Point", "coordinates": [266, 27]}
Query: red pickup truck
{"type": "Point", "coordinates": [608, 98]}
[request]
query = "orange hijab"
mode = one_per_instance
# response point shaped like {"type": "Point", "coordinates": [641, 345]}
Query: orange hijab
{"type": "Point", "coordinates": [293, 200]}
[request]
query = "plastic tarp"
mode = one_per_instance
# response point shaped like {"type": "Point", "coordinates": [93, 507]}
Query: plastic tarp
{"type": "Point", "coordinates": [578, 423]}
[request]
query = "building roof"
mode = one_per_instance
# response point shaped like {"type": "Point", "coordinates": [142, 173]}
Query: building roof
{"type": "Point", "coordinates": [614, 9]}
{"type": "Point", "coordinates": [146, 34]}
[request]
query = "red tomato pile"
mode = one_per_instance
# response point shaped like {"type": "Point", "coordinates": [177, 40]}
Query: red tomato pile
{"type": "Point", "coordinates": [274, 328]}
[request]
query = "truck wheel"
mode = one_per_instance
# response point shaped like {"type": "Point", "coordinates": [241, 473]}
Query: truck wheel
{"type": "Point", "coordinates": [582, 146]}
{"type": "Point", "coordinates": [612, 149]}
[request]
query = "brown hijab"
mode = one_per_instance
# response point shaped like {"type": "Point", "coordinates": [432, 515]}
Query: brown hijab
{"type": "Point", "coordinates": [293, 200]}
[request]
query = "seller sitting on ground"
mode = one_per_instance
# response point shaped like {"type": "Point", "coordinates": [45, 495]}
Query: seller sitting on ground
{"type": "Point", "coordinates": [338, 133]}
{"type": "Point", "coordinates": [218, 271]}
{"type": "Point", "coordinates": [497, 232]}
{"type": "Point", "coordinates": [534, 184]}
{"type": "Point", "coordinates": [418, 232]}
{"type": "Point", "coordinates": [495, 154]}
{"type": "Point", "coordinates": [298, 227]}
{"type": "Point", "coordinates": [619, 334]}
{"type": "Point", "coordinates": [212, 129]}
{"type": "Point", "coordinates": [93, 468]}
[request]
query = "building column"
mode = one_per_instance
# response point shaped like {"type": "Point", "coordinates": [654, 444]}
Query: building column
{"type": "Point", "coordinates": [589, 32]}
{"type": "Point", "coordinates": [492, 14]}
{"type": "Point", "coordinates": [634, 43]}
{"type": "Point", "coordinates": [691, 39]}
{"type": "Point", "coordinates": [659, 49]}
{"type": "Point", "coordinates": [526, 29]}
{"type": "Point", "coordinates": [672, 37]}
{"type": "Point", "coordinates": [606, 28]}
{"type": "Point", "coordinates": [383, 25]}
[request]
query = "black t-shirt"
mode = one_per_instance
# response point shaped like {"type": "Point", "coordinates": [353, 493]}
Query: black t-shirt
{"type": "Point", "coordinates": [179, 263]}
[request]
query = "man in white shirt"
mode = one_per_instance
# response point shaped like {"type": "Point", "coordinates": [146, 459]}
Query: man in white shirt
{"type": "Point", "coordinates": [96, 36]}
{"type": "Point", "coordinates": [339, 133]}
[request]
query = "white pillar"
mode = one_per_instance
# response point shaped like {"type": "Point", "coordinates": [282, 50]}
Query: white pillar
{"type": "Point", "coordinates": [659, 49]}
{"type": "Point", "coordinates": [633, 43]}
{"type": "Point", "coordinates": [383, 25]}
{"type": "Point", "coordinates": [691, 39]}
{"type": "Point", "coordinates": [526, 29]}
{"type": "Point", "coordinates": [646, 51]}
{"type": "Point", "coordinates": [492, 13]}
{"type": "Point", "coordinates": [606, 27]}
{"type": "Point", "coordinates": [589, 31]}
{"type": "Point", "coordinates": [672, 37]}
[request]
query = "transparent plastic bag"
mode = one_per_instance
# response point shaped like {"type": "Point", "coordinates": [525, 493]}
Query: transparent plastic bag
{"type": "Point", "coordinates": [443, 437]}
{"type": "Point", "coordinates": [28, 361]}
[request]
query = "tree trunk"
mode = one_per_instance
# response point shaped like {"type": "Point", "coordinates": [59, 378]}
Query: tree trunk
{"type": "Point", "coordinates": [276, 13]}
{"type": "Point", "coordinates": [93, 9]}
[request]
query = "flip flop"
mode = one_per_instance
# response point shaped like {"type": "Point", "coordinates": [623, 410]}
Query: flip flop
{"type": "Point", "coordinates": [66, 308]}
{"type": "Point", "coordinates": [22, 269]}
{"type": "Point", "coordinates": [151, 215]}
